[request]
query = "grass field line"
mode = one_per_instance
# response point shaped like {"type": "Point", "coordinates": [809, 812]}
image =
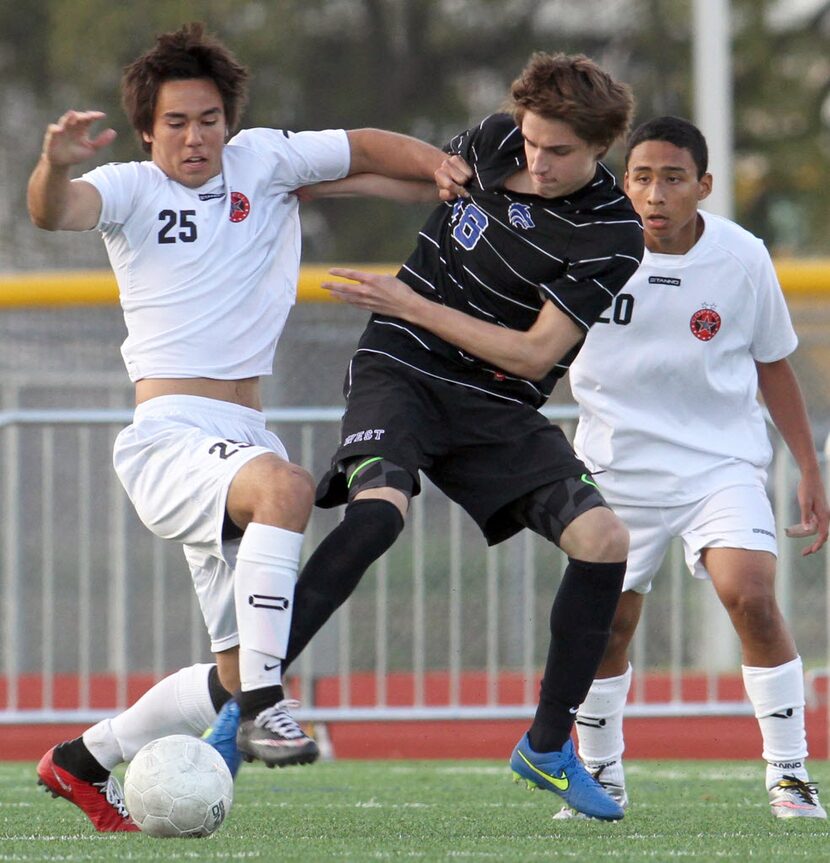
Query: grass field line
{"type": "Point", "coordinates": [736, 805]}
{"type": "Point", "coordinates": [654, 769]}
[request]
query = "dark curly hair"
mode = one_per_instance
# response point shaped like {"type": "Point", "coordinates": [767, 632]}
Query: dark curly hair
{"type": "Point", "coordinates": [183, 54]}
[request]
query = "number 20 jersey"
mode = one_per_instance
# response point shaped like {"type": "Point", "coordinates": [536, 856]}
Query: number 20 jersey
{"type": "Point", "coordinates": [207, 276]}
{"type": "Point", "coordinates": [666, 382]}
{"type": "Point", "coordinates": [499, 255]}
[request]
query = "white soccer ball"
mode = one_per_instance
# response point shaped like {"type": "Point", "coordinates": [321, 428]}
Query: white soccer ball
{"type": "Point", "coordinates": [178, 786]}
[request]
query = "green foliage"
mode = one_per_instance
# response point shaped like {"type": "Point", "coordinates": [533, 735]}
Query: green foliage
{"type": "Point", "coordinates": [434, 811]}
{"type": "Point", "coordinates": [433, 67]}
{"type": "Point", "coordinates": [782, 126]}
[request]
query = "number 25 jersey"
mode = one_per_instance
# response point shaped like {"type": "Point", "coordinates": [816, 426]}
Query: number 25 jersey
{"type": "Point", "coordinates": [207, 276]}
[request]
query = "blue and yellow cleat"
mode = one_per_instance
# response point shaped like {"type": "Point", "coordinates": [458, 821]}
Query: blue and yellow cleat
{"type": "Point", "coordinates": [222, 736]}
{"type": "Point", "coordinates": [564, 774]}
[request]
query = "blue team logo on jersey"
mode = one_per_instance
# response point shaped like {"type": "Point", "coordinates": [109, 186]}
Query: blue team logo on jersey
{"type": "Point", "coordinates": [519, 215]}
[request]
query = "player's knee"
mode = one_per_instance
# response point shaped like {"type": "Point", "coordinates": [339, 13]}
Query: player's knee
{"type": "Point", "coordinates": [289, 484]}
{"type": "Point", "coordinates": [270, 490]}
{"type": "Point", "coordinates": [601, 537]}
{"type": "Point", "coordinates": [757, 610]}
{"type": "Point", "coordinates": [301, 487]}
{"type": "Point", "coordinates": [615, 540]}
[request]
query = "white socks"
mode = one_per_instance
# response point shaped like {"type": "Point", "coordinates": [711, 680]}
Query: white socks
{"type": "Point", "coordinates": [177, 704]}
{"type": "Point", "coordinates": [264, 580]}
{"type": "Point", "coordinates": [777, 694]}
{"type": "Point", "coordinates": [599, 725]}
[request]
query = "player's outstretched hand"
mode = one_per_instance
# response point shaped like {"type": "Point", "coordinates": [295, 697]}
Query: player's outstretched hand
{"type": "Point", "coordinates": [377, 293]}
{"type": "Point", "coordinates": [452, 178]}
{"type": "Point", "coordinates": [67, 142]}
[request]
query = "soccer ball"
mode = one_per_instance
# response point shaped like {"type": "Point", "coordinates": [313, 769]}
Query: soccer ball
{"type": "Point", "coordinates": [178, 786]}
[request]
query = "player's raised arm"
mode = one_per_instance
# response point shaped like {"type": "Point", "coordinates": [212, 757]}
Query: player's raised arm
{"type": "Point", "coordinates": [391, 154]}
{"type": "Point", "coordinates": [55, 201]}
{"type": "Point", "coordinates": [449, 182]}
{"type": "Point", "coordinates": [372, 186]}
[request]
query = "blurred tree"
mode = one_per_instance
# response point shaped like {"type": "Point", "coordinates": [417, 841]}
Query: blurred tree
{"type": "Point", "coordinates": [782, 124]}
{"type": "Point", "coordinates": [23, 51]}
{"type": "Point", "coordinates": [428, 68]}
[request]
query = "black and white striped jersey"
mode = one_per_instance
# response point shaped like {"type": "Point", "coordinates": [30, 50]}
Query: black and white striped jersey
{"type": "Point", "coordinates": [500, 255]}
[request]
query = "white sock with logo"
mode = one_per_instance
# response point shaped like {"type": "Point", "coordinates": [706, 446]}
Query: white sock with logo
{"type": "Point", "coordinates": [264, 581]}
{"type": "Point", "coordinates": [599, 726]}
{"type": "Point", "coordinates": [178, 704]}
{"type": "Point", "coordinates": [777, 694]}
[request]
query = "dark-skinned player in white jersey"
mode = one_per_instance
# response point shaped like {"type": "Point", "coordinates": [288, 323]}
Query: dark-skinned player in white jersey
{"type": "Point", "coordinates": [704, 331]}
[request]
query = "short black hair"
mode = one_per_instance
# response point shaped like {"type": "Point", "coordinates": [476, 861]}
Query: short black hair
{"type": "Point", "coordinates": [674, 130]}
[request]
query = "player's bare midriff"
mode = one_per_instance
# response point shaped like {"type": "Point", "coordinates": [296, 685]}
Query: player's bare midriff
{"type": "Point", "coordinates": [244, 392]}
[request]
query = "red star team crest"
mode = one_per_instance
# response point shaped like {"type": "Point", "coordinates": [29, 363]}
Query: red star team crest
{"type": "Point", "coordinates": [240, 207]}
{"type": "Point", "coordinates": [705, 324]}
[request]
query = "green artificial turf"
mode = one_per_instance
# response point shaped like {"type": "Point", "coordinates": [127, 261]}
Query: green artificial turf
{"type": "Point", "coordinates": [437, 810]}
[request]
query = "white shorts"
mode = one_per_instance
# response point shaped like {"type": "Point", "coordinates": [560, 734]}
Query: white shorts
{"type": "Point", "coordinates": [739, 516]}
{"type": "Point", "coordinates": [176, 462]}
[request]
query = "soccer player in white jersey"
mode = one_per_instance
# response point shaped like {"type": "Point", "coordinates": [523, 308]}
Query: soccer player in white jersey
{"type": "Point", "coordinates": [204, 239]}
{"type": "Point", "coordinates": [670, 423]}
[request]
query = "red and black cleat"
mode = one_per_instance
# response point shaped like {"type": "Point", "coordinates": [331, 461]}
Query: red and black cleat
{"type": "Point", "coordinates": [101, 802]}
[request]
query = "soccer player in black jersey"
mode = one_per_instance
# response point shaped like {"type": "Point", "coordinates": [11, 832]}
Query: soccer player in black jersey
{"type": "Point", "coordinates": [462, 349]}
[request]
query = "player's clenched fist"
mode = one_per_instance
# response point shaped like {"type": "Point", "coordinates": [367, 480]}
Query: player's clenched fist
{"type": "Point", "coordinates": [452, 177]}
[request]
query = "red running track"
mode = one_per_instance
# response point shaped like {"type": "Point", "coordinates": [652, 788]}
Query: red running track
{"type": "Point", "coordinates": [683, 737]}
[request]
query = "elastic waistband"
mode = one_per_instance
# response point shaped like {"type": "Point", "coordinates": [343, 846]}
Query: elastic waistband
{"type": "Point", "coordinates": [178, 405]}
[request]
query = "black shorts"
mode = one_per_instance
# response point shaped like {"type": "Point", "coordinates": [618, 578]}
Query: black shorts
{"type": "Point", "coordinates": [482, 452]}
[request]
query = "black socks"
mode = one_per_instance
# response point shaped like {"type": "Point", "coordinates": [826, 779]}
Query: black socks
{"type": "Point", "coordinates": [218, 694]}
{"type": "Point", "coordinates": [368, 529]}
{"type": "Point", "coordinates": [252, 702]}
{"type": "Point", "coordinates": [580, 623]}
{"type": "Point", "coordinates": [77, 759]}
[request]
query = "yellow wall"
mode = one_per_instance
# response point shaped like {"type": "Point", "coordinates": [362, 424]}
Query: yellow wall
{"type": "Point", "coordinates": [95, 287]}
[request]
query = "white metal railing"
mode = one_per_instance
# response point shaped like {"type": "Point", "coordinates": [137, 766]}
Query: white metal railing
{"type": "Point", "coordinates": [89, 594]}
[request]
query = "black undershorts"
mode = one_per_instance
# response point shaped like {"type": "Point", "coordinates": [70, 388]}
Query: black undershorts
{"type": "Point", "coordinates": [483, 452]}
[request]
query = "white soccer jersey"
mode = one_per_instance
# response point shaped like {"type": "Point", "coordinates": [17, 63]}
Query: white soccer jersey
{"type": "Point", "coordinates": [207, 276]}
{"type": "Point", "coordinates": [666, 381]}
